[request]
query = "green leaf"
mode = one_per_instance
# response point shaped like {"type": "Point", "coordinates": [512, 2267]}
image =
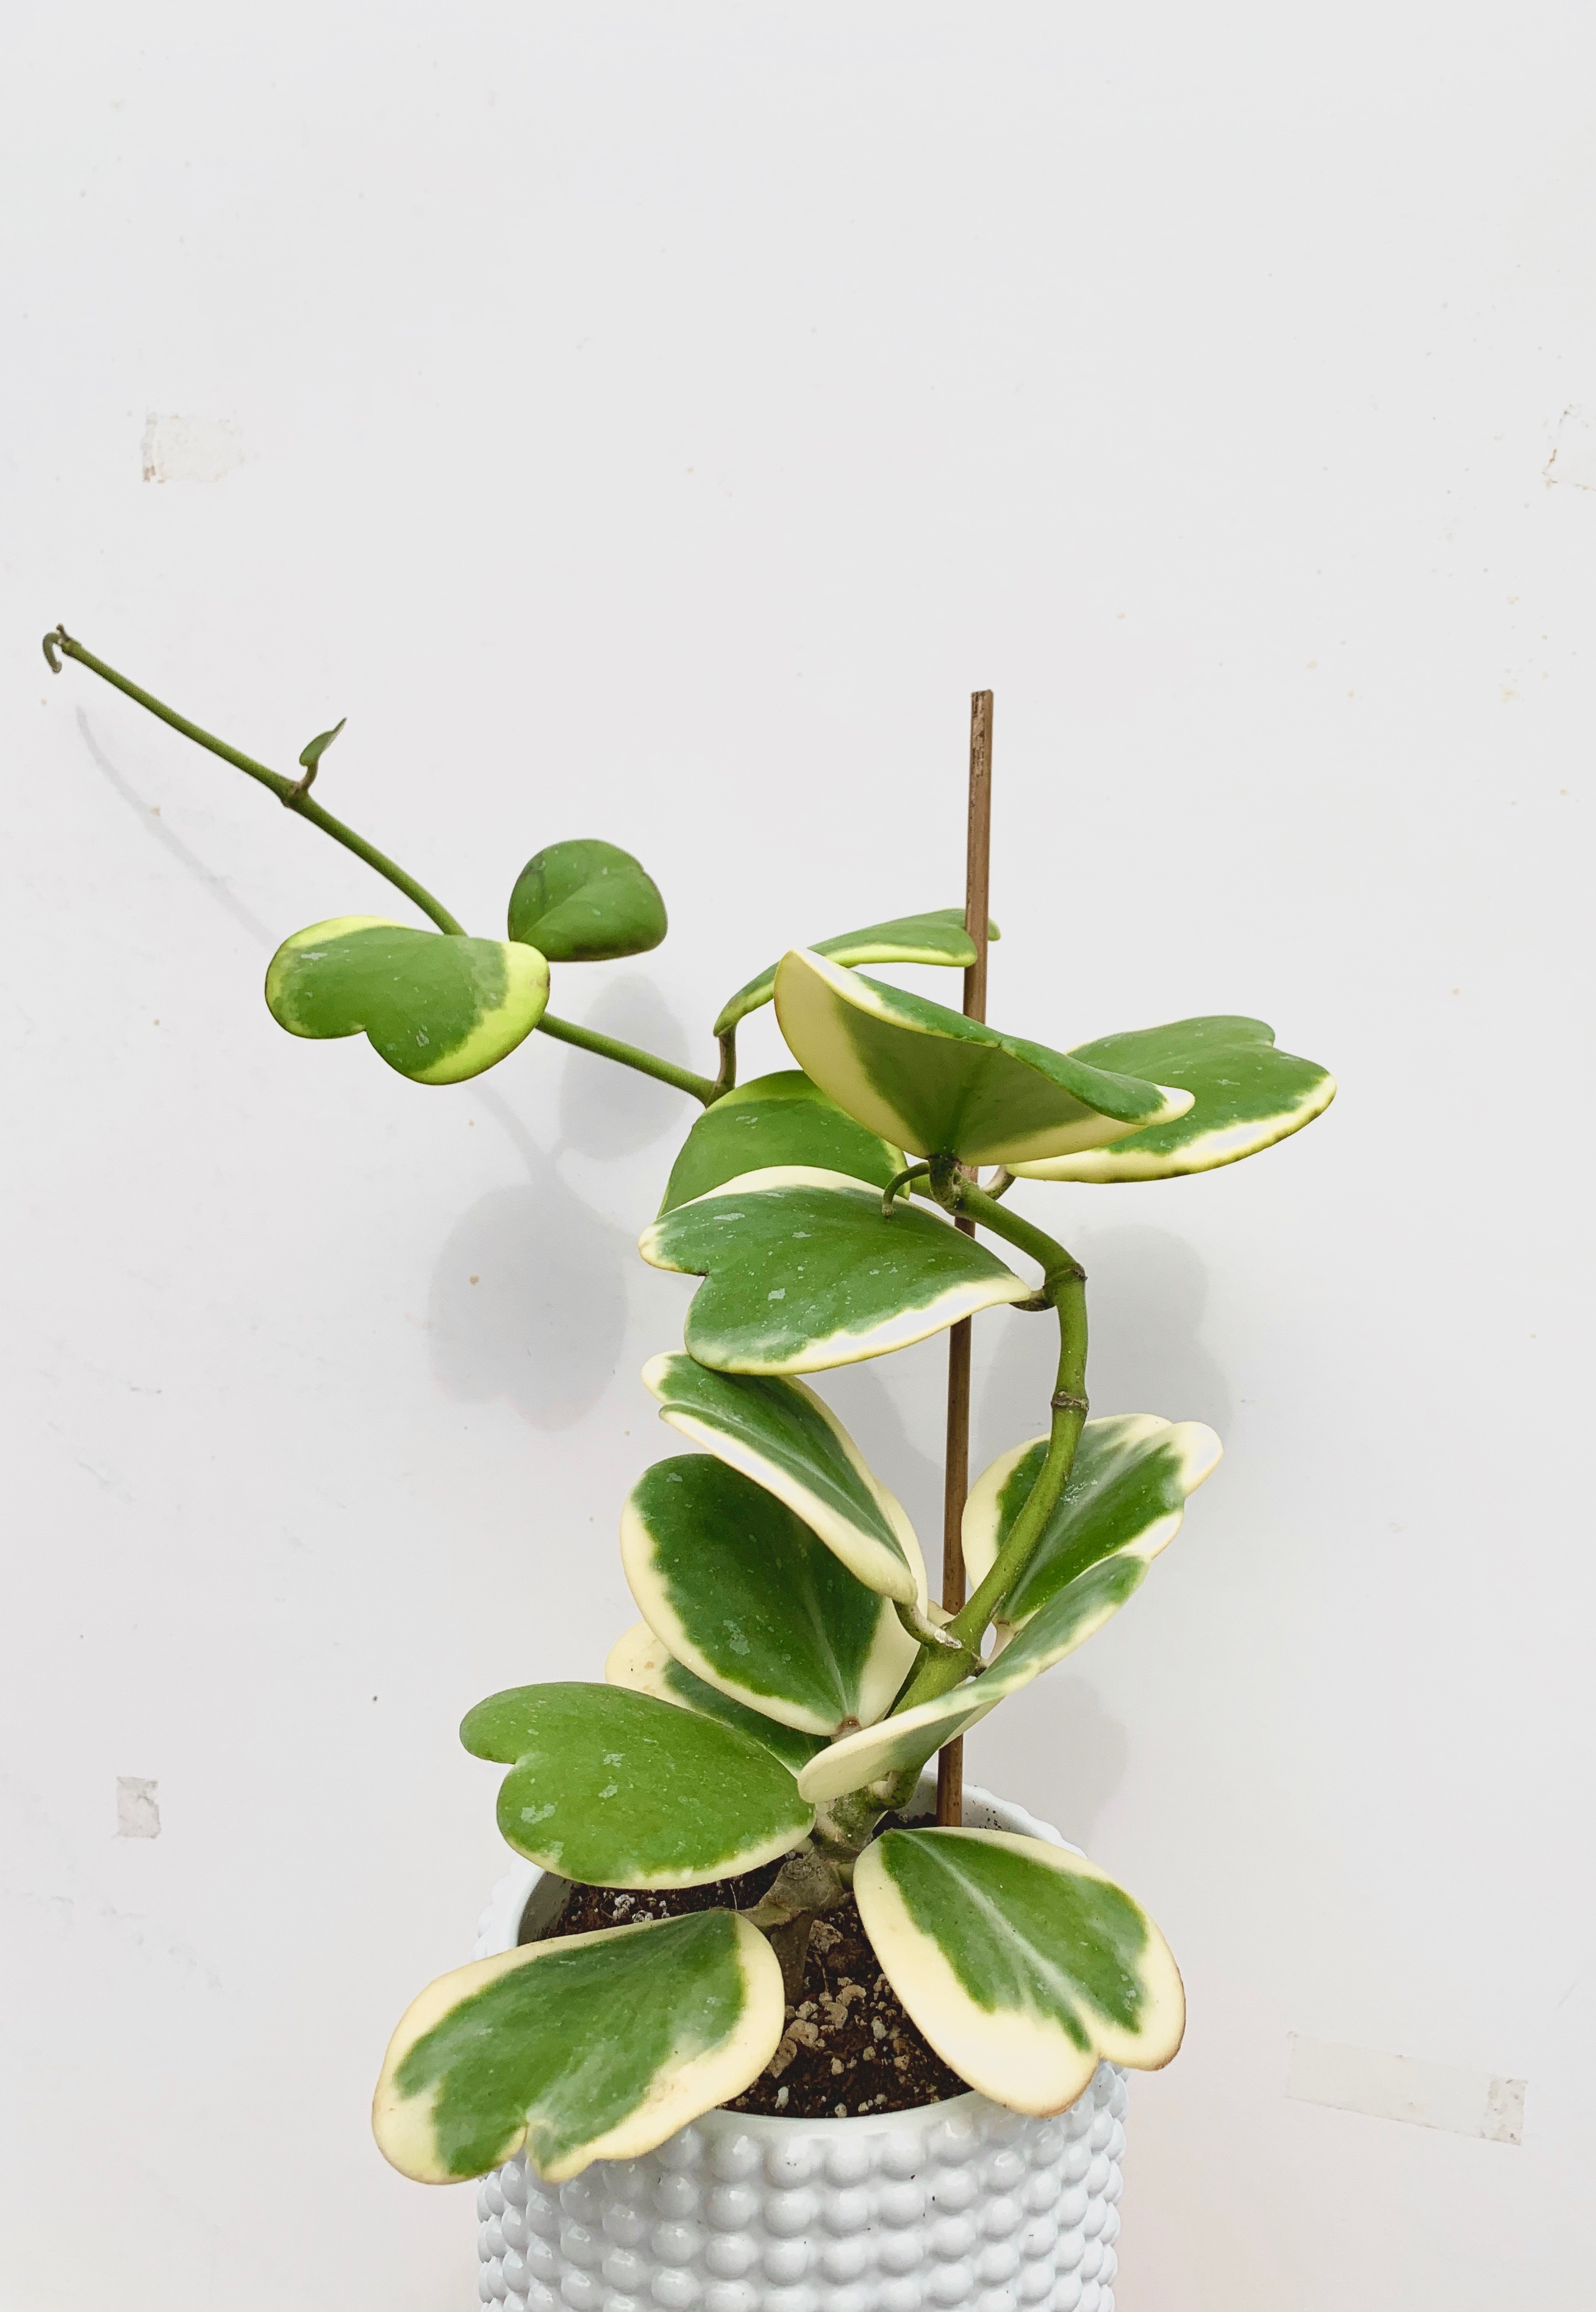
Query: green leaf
{"type": "Point", "coordinates": [778, 1120]}
{"type": "Point", "coordinates": [1126, 1489]}
{"type": "Point", "coordinates": [1023, 1966]}
{"type": "Point", "coordinates": [789, 1440]}
{"type": "Point", "coordinates": [640, 1662]}
{"type": "Point", "coordinates": [311, 755]}
{"type": "Point", "coordinates": [937, 937]}
{"type": "Point", "coordinates": [436, 1005]}
{"type": "Point", "coordinates": [1245, 1096]}
{"type": "Point", "coordinates": [752, 1602]}
{"type": "Point", "coordinates": [586, 902]}
{"type": "Point", "coordinates": [803, 1271]}
{"type": "Point", "coordinates": [617, 1790]}
{"type": "Point", "coordinates": [938, 1084]}
{"type": "Point", "coordinates": [588, 2048]}
{"type": "Point", "coordinates": [1065, 1622]}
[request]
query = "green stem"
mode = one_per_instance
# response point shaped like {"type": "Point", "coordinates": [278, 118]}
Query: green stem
{"type": "Point", "coordinates": [610, 1047]}
{"type": "Point", "coordinates": [1064, 1285]}
{"type": "Point", "coordinates": [290, 792]}
{"type": "Point", "coordinates": [725, 1081]}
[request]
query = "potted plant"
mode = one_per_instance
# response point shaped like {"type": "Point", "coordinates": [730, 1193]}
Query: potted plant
{"type": "Point", "coordinates": [749, 2026]}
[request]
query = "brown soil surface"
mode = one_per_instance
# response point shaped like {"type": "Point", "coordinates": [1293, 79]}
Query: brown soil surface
{"type": "Point", "coordinates": [849, 2048]}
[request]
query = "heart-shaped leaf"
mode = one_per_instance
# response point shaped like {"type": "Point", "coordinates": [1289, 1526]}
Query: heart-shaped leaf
{"type": "Point", "coordinates": [1126, 1489]}
{"type": "Point", "coordinates": [617, 1790]}
{"type": "Point", "coordinates": [937, 937]}
{"type": "Point", "coordinates": [938, 1084]}
{"type": "Point", "coordinates": [803, 1271]}
{"type": "Point", "coordinates": [896, 1743]}
{"type": "Point", "coordinates": [752, 1601]}
{"type": "Point", "coordinates": [1245, 1096]}
{"type": "Point", "coordinates": [586, 902]}
{"type": "Point", "coordinates": [436, 1005]}
{"type": "Point", "coordinates": [775, 1121]}
{"type": "Point", "coordinates": [643, 1664]}
{"type": "Point", "coordinates": [789, 1440]}
{"type": "Point", "coordinates": [1023, 1966]}
{"type": "Point", "coordinates": [588, 2048]}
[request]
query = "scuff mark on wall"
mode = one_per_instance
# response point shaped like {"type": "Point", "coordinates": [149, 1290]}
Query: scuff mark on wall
{"type": "Point", "coordinates": [1573, 460]}
{"type": "Point", "coordinates": [1396, 2087]}
{"type": "Point", "coordinates": [190, 449]}
{"type": "Point", "coordinates": [138, 1810]}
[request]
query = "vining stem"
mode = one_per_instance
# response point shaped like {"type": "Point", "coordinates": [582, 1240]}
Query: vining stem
{"type": "Point", "coordinates": [293, 794]}
{"type": "Point", "coordinates": [290, 792]}
{"type": "Point", "coordinates": [629, 1055]}
{"type": "Point", "coordinates": [1064, 1285]}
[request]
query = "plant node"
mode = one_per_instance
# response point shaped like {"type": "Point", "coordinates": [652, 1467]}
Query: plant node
{"type": "Point", "coordinates": [918, 1625]}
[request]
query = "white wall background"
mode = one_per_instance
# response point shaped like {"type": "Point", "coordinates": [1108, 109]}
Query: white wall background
{"type": "Point", "coordinates": [654, 423]}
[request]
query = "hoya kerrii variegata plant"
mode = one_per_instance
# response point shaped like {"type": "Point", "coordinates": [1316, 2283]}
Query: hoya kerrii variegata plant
{"type": "Point", "coordinates": [791, 1676]}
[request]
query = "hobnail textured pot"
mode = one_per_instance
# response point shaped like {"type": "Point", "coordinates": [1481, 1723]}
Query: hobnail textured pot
{"type": "Point", "coordinates": [959, 2204]}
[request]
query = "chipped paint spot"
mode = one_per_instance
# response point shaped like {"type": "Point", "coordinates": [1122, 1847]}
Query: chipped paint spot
{"type": "Point", "coordinates": [1395, 2086]}
{"type": "Point", "coordinates": [190, 449]}
{"type": "Point", "coordinates": [138, 1811]}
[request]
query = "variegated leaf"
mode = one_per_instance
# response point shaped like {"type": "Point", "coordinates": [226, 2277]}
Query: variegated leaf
{"type": "Point", "coordinates": [778, 1120]}
{"type": "Point", "coordinates": [1022, 1965]}
{"type": "Point", "coordinates": [1245, 1096]}
{"type": "Point", "coordinates": [617, 1790]}
{"type": "Point", "coordinates": [644, 1663]}
{"type": "Point", "coordinates": [938, 937]}
{"type": "Point", "coordinates": [586, 902]}
{"type": "Point", "coordinates": [789, 1440]}
{"type": "Point", "coordinates": [936, 1084]}
{"type": "Point", "coordinates": [1128, 1487]}
{"type": "Point", "coordinates": [803, 1271]}
{"type": "Point", "coordinates": [436, 1006]}
{"type": "Point", "coordinates": [752, 1601]}
{"type": "Point", "coordinates": [1065, 1622]}
{"type": "Point", "coordinates": [588, 2048]}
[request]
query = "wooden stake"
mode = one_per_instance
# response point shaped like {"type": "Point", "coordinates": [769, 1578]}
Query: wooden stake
{"type": "Point", "coordinates": [955, 1484]}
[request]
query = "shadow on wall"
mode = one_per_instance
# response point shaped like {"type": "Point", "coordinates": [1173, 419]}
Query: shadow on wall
{"type": "Point", "coordinates": [610, 1111]}
{"type": "Point", "coordinates": [529, 1295]}
{"type": "Point", "coordinates": [1054, 1748]}
{"type": "Point", "coordinates": [1147, 1292]}
{"type": "Point", "coordinates": [149, 817]}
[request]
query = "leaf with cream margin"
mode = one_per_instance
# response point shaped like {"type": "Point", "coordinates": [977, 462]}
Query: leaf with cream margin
{"type": "Point", "coordinates": [752, 1602]}
{"type": "Point", "coordinates": [1023, 1966]}
{"type": "Point", "coordinates": [789, 1440]}
{"type": "Point", "coordinates": [645, 1664]}
{"type": "Point", "coordinates": [1128, 1486]}
{"type": "Point", "coordinates": [1246, 1094]}
{"type": "Point", "coordinates": [615, 1788]}
{"type": "Point", "coordinates": [896, 1743]}
{"type": "Point", "coordinates": [586, 902]}
{"type": "Point", "coordinates": [803, 1271]}
{"type": "Point", "coordinates": [938, 937]}
{"type": "Point", "coordinates": [587, 2047]}
{"type": "Point", "coordinates": [436, 1005]}
{"type": "Point", "coordinates": [938, 1084]}
{"type": "Point", "coordinates": [776, 1120]}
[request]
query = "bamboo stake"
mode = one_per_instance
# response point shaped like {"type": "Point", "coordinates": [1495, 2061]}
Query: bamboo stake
{"type": "Point", "coordinates": [956, 1482]}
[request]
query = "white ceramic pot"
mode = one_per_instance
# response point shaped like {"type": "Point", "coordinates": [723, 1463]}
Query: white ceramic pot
{"type": "Point", "coordinates": [959, 2204]}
